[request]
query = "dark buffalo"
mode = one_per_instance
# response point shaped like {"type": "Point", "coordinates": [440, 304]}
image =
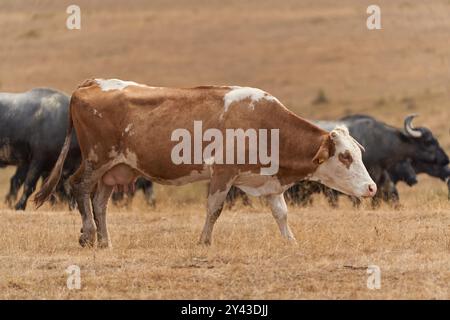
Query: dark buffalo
{"type": "Point", "coordinates": [32, 129]}
{"type": "Point", "coordinates": [386, 145]}
{"type": "Point", "coordinates": [17, 180]}
{"type": "Point", "coordinates": [403, 171]}
{"type": "Point", "coordinates": [441, 172]}
{"type": "Point", "coordinates": [407, 170]}
{"type": "Point", "coordinates": [301, 193]}
{"type": "Point", "coordinates": [234, 194]}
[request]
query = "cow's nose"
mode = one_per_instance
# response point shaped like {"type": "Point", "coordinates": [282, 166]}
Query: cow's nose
{"type": "Point", "coordinates": [371, 189]}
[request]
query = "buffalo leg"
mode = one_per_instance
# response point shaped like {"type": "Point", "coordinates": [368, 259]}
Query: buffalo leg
{"type": "Point", "coordinates": [69, 196]}
{"type": "Point", "coordinates": [332, 196]}
{"type": "Point", "coordinates": [81, 185]}
{"type": "Point", "coordinates": [393, 197]}
{"type": "Point", "coordinates": [32, 177]}
{"type": "Point", "coordinates": [448, 187]}
{"type": "Point", "coordinates": [355, 201]}
{"type": "Point", "coordinates": [302, 193]}
{"type": "Point", "coordinates": [117, 196]}
{"type": "Point", "coordinates": [279, 212]}
{"type": "Point", "coordinates": [231, 197]}
{"type": "Point", "coordinates": [149, 194]}
{"type": "Point", "coordinates": [52, 199]}
{"type": "Point", "coordinates": [15, 183]}
{"type": "Point", "coordinates": [246, 200]}
{"type": "Point", "coordinates": [64, 193]}
{"type": "Point", "coordinates": [100, 203]}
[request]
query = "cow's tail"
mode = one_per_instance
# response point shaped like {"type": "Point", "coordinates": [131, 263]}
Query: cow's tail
{"type": "Point", "coordinates": [49, 185]}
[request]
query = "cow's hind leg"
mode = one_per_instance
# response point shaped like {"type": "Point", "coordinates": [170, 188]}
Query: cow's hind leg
{"type": "Point", "coordinates": [218, 190]}
{"type": "Point", "coordinates": [279, 212]}
{"type": "Point", "coordinates": [99, 203]}
{"type": "Point", "coordinates": [82, 184]}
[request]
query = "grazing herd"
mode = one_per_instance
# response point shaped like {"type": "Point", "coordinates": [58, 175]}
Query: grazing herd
{"type": "Point", "coordinates": [99, 143]}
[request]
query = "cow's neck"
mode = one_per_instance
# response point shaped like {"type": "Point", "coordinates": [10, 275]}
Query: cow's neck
{"type": "Point", "coordinates": [299, 142]}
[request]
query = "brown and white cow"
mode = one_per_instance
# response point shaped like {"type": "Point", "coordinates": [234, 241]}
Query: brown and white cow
{"type": "Point", "coordinates": [126, 130]}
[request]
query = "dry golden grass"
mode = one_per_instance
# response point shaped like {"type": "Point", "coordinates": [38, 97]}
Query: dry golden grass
{"type": "Point", "coordinates": [155, 253]}
{"type": "Point", "coordinates": [292, 49]}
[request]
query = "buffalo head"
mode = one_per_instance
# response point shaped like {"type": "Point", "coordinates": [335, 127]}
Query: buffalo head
{"type": "Point", "coordinates": [426, 145]}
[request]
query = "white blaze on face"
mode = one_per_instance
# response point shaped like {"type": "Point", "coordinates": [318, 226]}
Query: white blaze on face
{"type": "Point", "coordinates": [345, 170]}
{"type": "Point", "coordinates": [241, 93]}
{"type": "Point", "coordinates": [115, 84]}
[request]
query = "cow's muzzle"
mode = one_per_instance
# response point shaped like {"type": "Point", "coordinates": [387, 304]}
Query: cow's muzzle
{"type": "Point", "coordinates": [371, 190]}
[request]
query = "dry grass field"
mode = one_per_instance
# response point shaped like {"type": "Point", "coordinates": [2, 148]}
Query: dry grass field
{"type": "Point", "coordinates": [293, 49]}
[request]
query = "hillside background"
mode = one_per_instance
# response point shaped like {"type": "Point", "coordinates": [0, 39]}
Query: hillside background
{"type": "Point", "coordinates": [296, 50]}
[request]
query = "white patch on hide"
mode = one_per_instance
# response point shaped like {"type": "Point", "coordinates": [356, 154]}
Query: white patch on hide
{"type": "Point", "coordinates": [241, 93]}
{"type": "Point", "coordinates": [115, 84]}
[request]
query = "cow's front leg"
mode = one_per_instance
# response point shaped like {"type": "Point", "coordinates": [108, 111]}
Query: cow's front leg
{"type": "Point", "coordinates": [218, 190]}
{"type": "Point", "coordinates": [279, 212]}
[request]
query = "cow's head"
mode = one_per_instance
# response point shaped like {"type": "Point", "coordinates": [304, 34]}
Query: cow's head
{"type": "Point", "coordinates": [426, 148]}
{"type": "Point", "coordinates": [340, 165]}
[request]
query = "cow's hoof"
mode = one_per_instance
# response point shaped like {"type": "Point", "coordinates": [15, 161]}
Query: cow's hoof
{"type": "Point", "coordinates": [104, 245]}
{"type": "Point", "coordinates": [86, 240]}
{"type": "Point", "coordinates": [204, 242]}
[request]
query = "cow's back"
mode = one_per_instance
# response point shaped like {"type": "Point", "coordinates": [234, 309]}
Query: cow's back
{"type": "Point", "coordinates": [139, 124]}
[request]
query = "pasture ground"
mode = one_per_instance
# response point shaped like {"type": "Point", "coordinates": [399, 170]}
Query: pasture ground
{"type": "Point", "coordinates": [293, 49]}
{"type": "Point", "coordinates": [155, 253]}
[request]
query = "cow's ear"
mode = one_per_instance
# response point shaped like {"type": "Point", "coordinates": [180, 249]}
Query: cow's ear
{"type": "Point", "coordinates": [326, 150]}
